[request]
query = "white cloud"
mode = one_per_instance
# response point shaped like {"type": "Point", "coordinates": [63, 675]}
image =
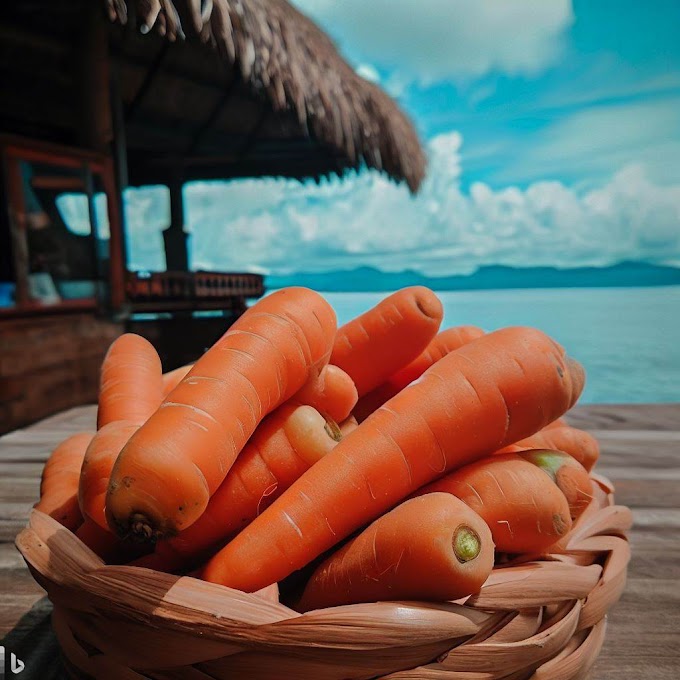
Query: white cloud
{"type": "Point", "coordinates": [283, 226]}
{"type": "Point", "coordinates": [594, 140]}
{"type": "Point", "coordinates": [432, 40]}
{"type": "Point", "coordinates": [368, 72]}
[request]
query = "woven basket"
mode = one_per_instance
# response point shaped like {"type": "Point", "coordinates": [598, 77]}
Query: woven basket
{"type": "Point", "coordinates": [534, 618]}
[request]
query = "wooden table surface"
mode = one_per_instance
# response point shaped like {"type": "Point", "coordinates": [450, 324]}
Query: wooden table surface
{"type": "Point", "coordinates": [640, 454]}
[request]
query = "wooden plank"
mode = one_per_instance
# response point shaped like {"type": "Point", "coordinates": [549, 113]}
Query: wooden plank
{"type": "Point", "coordinates": [21, 489]}
{"type": "Point", "coordinates": [626, 417]}
{"type": "Point", "coordinates": [638, 435]}
{"type": "Point", "coordinates": [638, 492]}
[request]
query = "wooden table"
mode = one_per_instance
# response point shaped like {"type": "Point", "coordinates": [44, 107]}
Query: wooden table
{"type": "Point", "coordinates": [640, 454]}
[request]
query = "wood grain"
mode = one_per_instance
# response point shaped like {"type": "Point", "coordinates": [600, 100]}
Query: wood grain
{"type": "Point", "coordinates": [639, 454]}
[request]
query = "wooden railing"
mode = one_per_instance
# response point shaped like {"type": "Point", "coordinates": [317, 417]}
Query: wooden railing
{"type": "Point", "coordinates": [199, 290]}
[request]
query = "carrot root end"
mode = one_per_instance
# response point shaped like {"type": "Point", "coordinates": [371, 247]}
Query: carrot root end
{"type": "Point", "coordinates": [141, 529]}
{"type": "Point", "coordinates": [466, 544]}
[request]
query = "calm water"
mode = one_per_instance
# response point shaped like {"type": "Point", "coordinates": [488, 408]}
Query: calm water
{"type": "Point", "coordinates": [628, 339]}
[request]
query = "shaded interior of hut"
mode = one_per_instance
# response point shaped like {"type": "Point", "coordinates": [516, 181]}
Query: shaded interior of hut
{"type": "Point", "coordinates": [109, 98]}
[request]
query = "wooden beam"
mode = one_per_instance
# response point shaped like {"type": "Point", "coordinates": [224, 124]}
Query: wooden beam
{"type": "Point", "coordinates": [214, 114]}
{"type": "Point", "coordinates": [149, 78]}
{"type": "Point", "coordinates": [251, 139]}
{"type": "Point", "coordinates": [16, 206]}
{"type": "Point", "coordinates": [94, 91]}
{"type": "Point", "coordinates": [94, 233]}
{"type": "Point", "coordinates": [116, 181]}
{"type": "Point", "coordinates": [18, 35]}
{"type": "Point", "coordinates": [117, 256]}
{"type": "Point", "coordinates": [174, 237]}
{"type": "Point", "coordinates": [169, 70]}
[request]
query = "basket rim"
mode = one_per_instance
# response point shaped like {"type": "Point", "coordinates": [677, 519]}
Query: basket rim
{"type": "Point", "coordinates": [542, 614]}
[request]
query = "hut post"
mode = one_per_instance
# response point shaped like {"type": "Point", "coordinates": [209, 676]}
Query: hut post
{"type": "Point", "coordinates": [118, 255]}
{"type": "Point", "coordinates": [174, 237]}
{"type": "Point", "coordinates": [96, 129]}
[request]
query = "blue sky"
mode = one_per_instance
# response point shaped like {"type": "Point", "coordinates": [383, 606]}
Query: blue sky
{"type": "Point", "coordinates": [552, 129]}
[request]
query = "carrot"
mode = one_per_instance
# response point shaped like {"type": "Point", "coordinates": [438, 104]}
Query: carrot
{"type": "Point", "coordinates": [130, 386]}
{"type": "Point", "coordinates": [131, 390]}
{"type": "Point", "coordinates": [387, 337]}
{"type": "Point", "coordinates": [100, 541]}
{"type": "Point", "coordinates": [105, 544]}
{"type": "Point", "coordinates": [348, 425]}
{"type": "Point", "coordinates": [560, 422]}
{"type": "Point", "coordinates": [165, 475]}
{"type": "Point", "coordinates": [429, 548]}
{"type": "Point", "coordinates": [173, 378]}
{"type": "Point", "coordinates": [286, 443]}
{"type": "Point", "coordinates": [333, 393]}
{"type": "Point", "coordinates": [580, 445]}
{"type": "Point", "coordinates": [489, 393]}
{"type": "Point", "coordinates": [443, 343]}
{"type": "Point", "coordinates": [524, 509]}
{"type": "Point", "coordinates": [569, 475]}
{"type": "Point", "coordinates": [59, 483]}
{"type": "Point", "coordinates": [97, 465]}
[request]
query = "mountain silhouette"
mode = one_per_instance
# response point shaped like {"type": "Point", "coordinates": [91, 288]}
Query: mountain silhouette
{"type": "Point", "coordinates": [625, 274]}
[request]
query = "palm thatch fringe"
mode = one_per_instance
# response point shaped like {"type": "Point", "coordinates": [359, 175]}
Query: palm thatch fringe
{"type": "Point", "coordinates": [283, 53]}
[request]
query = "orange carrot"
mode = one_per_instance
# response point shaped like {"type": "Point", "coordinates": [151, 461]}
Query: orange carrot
{"type": "Point", "coordinates": [165, 475]}
{"type": "Point", "coordinates": [493, 391]}
{"type": "Point", "coordinates": [131, 390]}
{"type": "Point", "coordinates": [283, 447]}
{"type": "Point", "coordinates": [173, 378]}
{"type": "Point", "coordinates": [348, 425]}
{"type": "Point", "coordinates": [560, 422]}
{"type": "Point", "coordinates": [429, 548]}
{"type": "Point", "coordinates": [130, 386]}
{"type": "Point", "coordinates": [107, 546]}
{"type": "Point", "coordinates": [524, 509]}
{"type": "Point", "coordinates": [580, 445]}
{"type": "Point", "coordinates": [387, 337]}
{"type": "Point", "coordinates": [332, 393]}
{"type": "Point", "coordinates": [569, 475]}
{"type": "Point", "coordinates": [443, 343]}
{"type": "Point", "coordinates": [98, 463]}
{"type": "Point", "coordinates": [59, 483]}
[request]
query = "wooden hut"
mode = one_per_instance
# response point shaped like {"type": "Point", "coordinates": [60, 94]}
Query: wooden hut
{"type": "Point", "coordinates": [100, 96]}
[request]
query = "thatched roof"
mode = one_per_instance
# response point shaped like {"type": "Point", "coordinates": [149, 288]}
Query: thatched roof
{"type": "Point", "coordinates": [281, 53]}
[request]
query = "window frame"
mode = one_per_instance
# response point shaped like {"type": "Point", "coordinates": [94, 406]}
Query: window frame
{"type": "Point", "coordinates": [13, 151]}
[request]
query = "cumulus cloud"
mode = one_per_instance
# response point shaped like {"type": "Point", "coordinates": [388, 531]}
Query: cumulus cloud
{"type": "Point", "coordinates": [431, 40]}
{"type": "Point", "coordinates": [282, 226]}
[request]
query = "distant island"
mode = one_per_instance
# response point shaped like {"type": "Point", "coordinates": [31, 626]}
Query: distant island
{"type": "Point", "coordinates": [626, 274]}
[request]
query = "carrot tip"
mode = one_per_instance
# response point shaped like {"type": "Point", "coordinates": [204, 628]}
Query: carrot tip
{"type": "Point", "coordinates": [466, 544]}
{"type": "Point", "coordinates": [429, 306]}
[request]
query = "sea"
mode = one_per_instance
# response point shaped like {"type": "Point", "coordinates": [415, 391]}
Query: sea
{"type": "Point", "coordinates": [628, 339]}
